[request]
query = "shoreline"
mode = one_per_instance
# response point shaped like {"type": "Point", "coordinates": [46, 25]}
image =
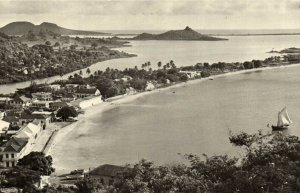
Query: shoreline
{"type": "Point", "coordinates": [121, 99]}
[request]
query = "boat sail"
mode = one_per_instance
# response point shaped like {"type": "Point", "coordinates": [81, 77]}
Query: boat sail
{"type": "Point", "coordinates": [283, 120]}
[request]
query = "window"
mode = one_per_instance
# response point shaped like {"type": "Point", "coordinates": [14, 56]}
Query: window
{"type": "Point", "coordinates": [7, 155]}
{"type": "Point", "coordinates": [12, 155]}
{"type": "Point", "coordinates": [7, 164]}
{"type": "Point", "coordinates": [13, 164]}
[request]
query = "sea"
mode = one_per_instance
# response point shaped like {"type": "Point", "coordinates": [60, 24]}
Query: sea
{"type": "Point", "coordinates": [194, 118]}
{"type": "Point", "coordinates": [191, 119]}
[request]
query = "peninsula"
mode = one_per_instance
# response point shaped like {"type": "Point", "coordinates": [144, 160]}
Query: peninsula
{"type": "Point", "coordinates": [186, 34]}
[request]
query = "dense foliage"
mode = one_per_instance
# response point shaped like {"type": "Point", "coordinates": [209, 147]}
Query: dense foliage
{"type": "Point", "coordinates": [65, 112]}
{"type": "Point", "coordinates": [37, 161]}
{"type": "Point", "coordinates": [19, 62]}
{"type": "Point", "coordinates": [271, 163]}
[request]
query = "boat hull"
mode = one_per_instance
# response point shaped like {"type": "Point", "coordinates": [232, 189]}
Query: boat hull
{"type": "Point", "coordinates": [279, 128]}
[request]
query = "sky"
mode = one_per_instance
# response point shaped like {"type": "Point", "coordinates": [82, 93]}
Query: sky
{"type": "Point", "coordinates": [155, 14]}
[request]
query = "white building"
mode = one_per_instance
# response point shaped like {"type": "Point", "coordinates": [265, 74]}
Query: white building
{"type": "Point", "coordinates": [191, 74]}
{"type": "Point", "coordinates": [3, 126]}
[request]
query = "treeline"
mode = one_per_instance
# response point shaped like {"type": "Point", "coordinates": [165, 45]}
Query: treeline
{"type": "Point", "coordinates": [270, 163]}
{"type": "Point", "coordinates": [18, 62]}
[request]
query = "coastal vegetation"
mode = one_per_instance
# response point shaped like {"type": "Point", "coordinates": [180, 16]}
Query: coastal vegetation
{"type": "Point", "coordinates": [113, 82]}
{"type": "Point", "coordinates": [23, 27]}
{"type": "Point", "coordinates": [20, 62]}
{"type": "Point", "coordinates": [270, 163]}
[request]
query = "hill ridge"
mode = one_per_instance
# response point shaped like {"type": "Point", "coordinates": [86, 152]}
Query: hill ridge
{"type": "Point", "coordinates": [23, 27]}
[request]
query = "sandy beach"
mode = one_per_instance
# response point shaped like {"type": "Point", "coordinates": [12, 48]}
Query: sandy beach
{"type": "Point", "coordinates": [118, 100]}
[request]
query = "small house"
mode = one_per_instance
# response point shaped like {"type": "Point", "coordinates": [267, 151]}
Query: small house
{"type": "Point", "coordinates": [86, 92]}
{"type": "Point", "coordinates": [12, 150]}
{"type": "Point", "coordinates": [20, 102]}
{"type": "Point", "coordinates": [107, 174]}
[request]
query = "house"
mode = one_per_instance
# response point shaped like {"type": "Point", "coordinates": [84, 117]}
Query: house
{"type": "Point", "coordinates": [30, 132]}
{"type": "Point", "coordinates": [191, 74]}
{"type": "Point", "coordinates": [57, 105]}
{"type": "Point", "coordinates": [12, 150]}
{"type": "Point", "coordinates": [107, 174]}
{"type": "Point", "coordinates": [68, 97]}
{"type": "Point", "coordinates": [150, 86]}
{"type": "Point", "coordinates": [55, 87]}
{"type": "Point", "coordinates": [3, 126]}
{"type": "Point", "coordinates": [41, 104]}
{"type": "Point", "coordinates": [20, 102]}
{"type": "Point", "coordinates": [13, 120]}
{"type": "Point", "coordinates": [5, 100]}
{"type": "Point", "coordinates": [42, 96]}
{"type": "Point", "coordinates": [87, 92]}
{"type": "Point", "coordinates": [43, 119]}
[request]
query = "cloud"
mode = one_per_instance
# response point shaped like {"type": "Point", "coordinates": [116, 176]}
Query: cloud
{"type": "Point", "coordinates": [141, 7]}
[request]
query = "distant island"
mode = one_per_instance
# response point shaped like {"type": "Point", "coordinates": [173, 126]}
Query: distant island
{"type": "Point", "coordinates": [186, 34]}
{"type": "Point", "coordinates": [23, 27]}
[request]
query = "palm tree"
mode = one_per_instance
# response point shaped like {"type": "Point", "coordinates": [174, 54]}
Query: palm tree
{"type": "Point", "coordinates": [159, 64]}
{"type": "Point", "coordinates": [172, 64]}
{"type": "Point", "coordinates": [88, 71]}
{"type": "Point", "coordinates": [168, 65]}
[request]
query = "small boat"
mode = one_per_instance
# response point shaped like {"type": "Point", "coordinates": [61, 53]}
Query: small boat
{"type": "Point", "coordinates": [284, 121]}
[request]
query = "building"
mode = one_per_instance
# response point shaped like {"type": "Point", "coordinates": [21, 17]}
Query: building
{"type": "Point", "coordinates": [107, 174]}
{"type": "Point", "coordinates": [87, 92]}
{"type": "Point", "coordinates": [55, 87]}
{"type": "Point", "coordinates": [4, 126]}
{"type": "Point", "coordinates": [57, 105]}
{"type": "Point", "coordinates": [42, 96]}
{"type": "Point", "coordinates": [20, 102]}
{"type": "Point", "coordinates": [150, 86]}
{"type": "Point", "coordinates": [41, 104]}
{"type": "Point", "coordinates": [68, 97]}
{"type": "Point", "coordinates": [42, 118]}
{"type": "Point", "coordinates": [12, 150]}
{"type": "Point", "coordinates": [30, 132]}
{"type": "Point", "coordinates": [13, 120]}
{"type": "Point", "coordinates": [191, 74]}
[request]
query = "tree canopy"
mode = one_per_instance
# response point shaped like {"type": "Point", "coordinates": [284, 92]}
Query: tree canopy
{"type": "Point", "coordinates": [37, 161]}
{"type": "Point", "coordinates": [66, 112]}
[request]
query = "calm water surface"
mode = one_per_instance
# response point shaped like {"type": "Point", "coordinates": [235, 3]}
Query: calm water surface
{"type": "Point", "coordinates": [183, 53]}
{"type": "Point", "coordinates": [195, 119]}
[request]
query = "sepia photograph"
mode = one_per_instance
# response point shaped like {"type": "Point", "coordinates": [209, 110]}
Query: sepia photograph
{"type": "Point", "coordinates": [150, 96]}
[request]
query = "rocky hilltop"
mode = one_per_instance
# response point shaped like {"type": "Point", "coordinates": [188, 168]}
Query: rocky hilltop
{"type": "Point", "coordinates": [23, 27]}
{"type": "Point", "coordinates": [186, 34]}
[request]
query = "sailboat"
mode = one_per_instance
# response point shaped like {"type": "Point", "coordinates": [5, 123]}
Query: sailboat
{"type": "Point", "coordinates": [283, 120]}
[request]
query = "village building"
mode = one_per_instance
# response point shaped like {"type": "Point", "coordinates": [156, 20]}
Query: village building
{"type": "Point", "coordinates": [42, 118]}
{"type": "Point", "coordinates": [57, 105]}
{"type": "Point", "coordinates": [87, 92]}
{"type": "Point", "coordinates": [42, 96]}
{"type": "Point", "coordinates": [30, 132]}
{"type": "Point", "coordinates": [191, 74]}
{"type": "Point", "coordinates": [150, 86]}
{"type": "Point", "coordinates": [12, 150]}
{"type": "Point", "coordinates": [4, 100]}
{"type": "Point", "coordinates": [20, 102]}
{"type": "Point", "coordinates": [41, 104]}
{"type": "Point", "coordinates": [13, 120]}
{"type": "Point", "coordinates": [68, 97]}
{"type": "Point", "coordinates": [3, 126]}
{"type": "Point", "coordinates": [107, 174]}
{"type": "Point", "coordinates": [54, 87]}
